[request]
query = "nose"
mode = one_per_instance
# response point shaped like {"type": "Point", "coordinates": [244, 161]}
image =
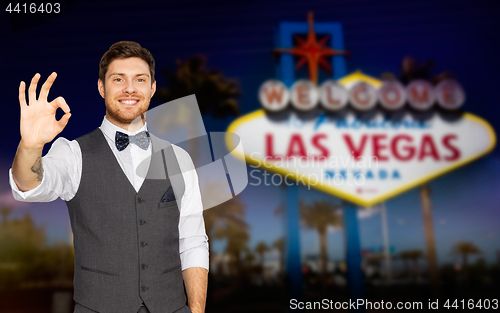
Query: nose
{"type": "Point", "coordinates": [129, 87]}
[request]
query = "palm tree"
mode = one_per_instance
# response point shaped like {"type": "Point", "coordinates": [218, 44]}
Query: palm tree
{"type": "Point", "coordinates": [279, 244]}
{"type": "Point", "coordinates": [425, 198]}
{"type": "Point", "coordinates": [464, 249]}
{"type": "Point", "coordinates": [226, 221]}
{"type": "Point", "coordinates": [25, 257]}
{"type": "Point", "coordinates": [412, 69]}
{"type": "Point", "coordinates": [228, 215]}
{"type": "Point", "coordinates": [405, 257]}
{"type": "Point", "coordinates": [249, 258]}
{"type": "Point", "coordinates": [320, 215]}
{"type": "Point", "coordinates": [260, 249]}
{"type": "Point", "coordinates": [414, 255]}
{"type": "Point", "coordinates": [237, 239]}
{"type": "Point", "coordinates": [215, 93]}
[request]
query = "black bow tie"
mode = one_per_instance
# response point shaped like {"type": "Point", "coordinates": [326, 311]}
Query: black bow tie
{"type": "Point", "coordinates": [141, 140]}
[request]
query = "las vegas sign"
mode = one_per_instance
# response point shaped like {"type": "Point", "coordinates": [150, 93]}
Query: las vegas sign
{"type": "Point", "coordinates": [360, 148]}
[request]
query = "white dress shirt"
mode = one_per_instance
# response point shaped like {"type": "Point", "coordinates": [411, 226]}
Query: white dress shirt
{"type": "Point", "coordinates": [62, 171]}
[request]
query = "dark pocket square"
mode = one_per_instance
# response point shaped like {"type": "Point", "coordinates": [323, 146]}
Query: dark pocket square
{"type": "Point", "coordinates": [168, 196]}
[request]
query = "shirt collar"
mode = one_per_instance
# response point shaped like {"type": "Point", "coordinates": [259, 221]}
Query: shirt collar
{"type": "Point", "coordinates": [109, 129]}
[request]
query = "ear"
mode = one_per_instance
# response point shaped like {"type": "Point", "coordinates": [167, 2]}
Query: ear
{"type": "Point", "coordinates": [100, 87]}
{"type": "Point", "coordinates": [153, 89]}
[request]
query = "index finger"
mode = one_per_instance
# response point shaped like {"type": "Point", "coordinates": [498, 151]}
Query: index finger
{"type": "Point", "coordinates": [59, 102]}
{"type": "Point", "coordinates": [32, 88]}
{"type": "Point", "coordinates": [44, 92]}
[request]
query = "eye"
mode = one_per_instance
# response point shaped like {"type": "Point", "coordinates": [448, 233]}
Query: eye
{"type": "Point", "coordinates": [117, 79]}
{"type": "Point", "coordinates": [141, 80]}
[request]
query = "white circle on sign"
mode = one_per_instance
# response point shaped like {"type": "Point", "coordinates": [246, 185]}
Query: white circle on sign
{"type": "Point", "coordinates": [273, 95]}
{"type": "Point", "coordinates": [450, 94]}
{"type": "Point", "coordinates": [333, 97]}
{"type": "Point", "coordinates": [304, 95]}
{"type": "Point", "coordinates": [392, 95]}
{"type": "Point", "coordinates": [363, 96]}
{"type": "Point", "coordinates": [420, 94]}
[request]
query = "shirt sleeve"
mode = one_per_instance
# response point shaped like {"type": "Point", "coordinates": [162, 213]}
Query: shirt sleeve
{"type": "Point", "coordinates": [193, 241]}
{"type": "Point", "coordinates": [62, 168]}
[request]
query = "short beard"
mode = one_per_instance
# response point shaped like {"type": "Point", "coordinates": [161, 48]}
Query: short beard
{"type": "Point", "coordinates": [126, 121]}
{"type": "Point", "coordinates": [119, 118]}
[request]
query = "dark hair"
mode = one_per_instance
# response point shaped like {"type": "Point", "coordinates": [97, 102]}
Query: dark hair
{"type": "Point", "coordinates": [123, 50]}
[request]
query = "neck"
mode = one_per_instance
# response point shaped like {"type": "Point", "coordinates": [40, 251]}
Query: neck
{"type": "Point", "coordinates": [133, 126]}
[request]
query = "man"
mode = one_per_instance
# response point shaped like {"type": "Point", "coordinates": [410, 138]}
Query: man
{"type": "Point", "coordinates": [134, 248]}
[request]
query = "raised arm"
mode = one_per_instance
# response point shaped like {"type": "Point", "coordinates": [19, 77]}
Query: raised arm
{"type": "Point", "coordinates": [38, 127]}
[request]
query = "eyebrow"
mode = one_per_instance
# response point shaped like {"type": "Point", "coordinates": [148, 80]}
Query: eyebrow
{"type": "Point", "coordinates": [123, 74]}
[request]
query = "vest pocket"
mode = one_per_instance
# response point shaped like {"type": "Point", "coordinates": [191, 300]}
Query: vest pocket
{"type": "Point", "coordinates": [170, 269]}
{"type": "Point", "coordinates": [97, 271]}
{"type": "Point", "coordinates": [167, 205]}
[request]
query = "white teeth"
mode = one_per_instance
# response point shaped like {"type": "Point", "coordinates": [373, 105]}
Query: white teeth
{"type": "Point", "coordinates": [128, 101]}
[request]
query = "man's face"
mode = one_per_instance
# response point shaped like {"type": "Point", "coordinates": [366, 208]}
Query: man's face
{"type": "Point", "coordinates": [127, 90]}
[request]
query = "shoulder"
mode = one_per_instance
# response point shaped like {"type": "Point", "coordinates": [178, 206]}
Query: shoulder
{"type": "Point", "coordinates": [181, 153]}
{"type": "Point", "coordinates": [183, 157]}
{"type": "Point", "coordinates": [88, 140]}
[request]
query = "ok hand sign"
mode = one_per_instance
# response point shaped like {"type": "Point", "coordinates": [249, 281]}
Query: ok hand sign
{"type": "Point", "coordinates": [38, 119]}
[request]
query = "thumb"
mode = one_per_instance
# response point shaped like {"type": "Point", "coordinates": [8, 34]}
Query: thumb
{"type": "Point", "coordinates": [62, 122]}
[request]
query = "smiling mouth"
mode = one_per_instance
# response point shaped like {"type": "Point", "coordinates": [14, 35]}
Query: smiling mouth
{"type": "Point", "coordinates": [129, 102]}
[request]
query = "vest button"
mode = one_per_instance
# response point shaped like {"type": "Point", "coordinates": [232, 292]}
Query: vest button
{"type": "Point", "coordinates": [142, 222]}
{"type": "Point", "coordinates": [143, 244]}
{"type": "Point", "coordinates": [144, 266]}
{"type": "Point", "coordinates": [144, 288]}
{"type": "Point", "coordinates": [140, 200]}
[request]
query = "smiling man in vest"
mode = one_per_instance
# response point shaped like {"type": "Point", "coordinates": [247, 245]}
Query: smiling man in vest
{"type": "Point", "coordinates": [136, 244]}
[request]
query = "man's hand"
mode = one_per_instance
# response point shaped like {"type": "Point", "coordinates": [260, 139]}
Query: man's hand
{"type": "Point", "coordinates": [38, 126]}
{"type": "Point", "coordinates": [38, 119]}
{"type": "Point", "coordinates": [196, 279]}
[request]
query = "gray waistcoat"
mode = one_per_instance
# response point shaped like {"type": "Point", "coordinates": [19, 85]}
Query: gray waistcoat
{"type": "Point", "coordinates": [126, 242]}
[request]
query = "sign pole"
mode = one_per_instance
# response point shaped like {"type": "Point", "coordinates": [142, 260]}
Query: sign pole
{"type": "Point", "coordinates": [293, 260]}
{"type": "Point", "coordinates": [353, 254]}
